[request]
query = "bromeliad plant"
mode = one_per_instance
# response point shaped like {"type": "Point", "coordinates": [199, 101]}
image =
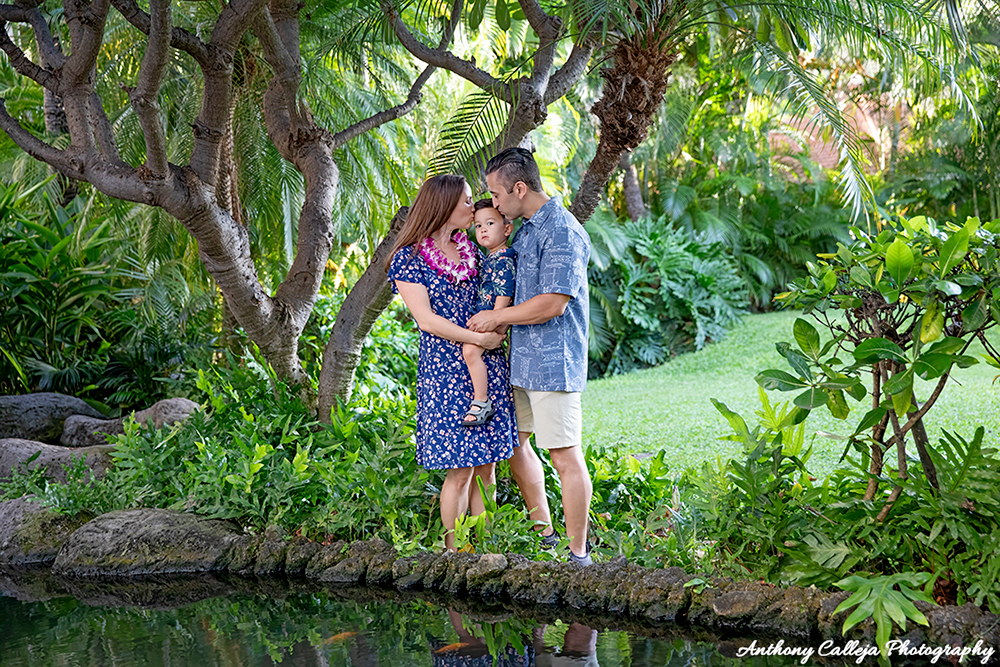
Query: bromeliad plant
{"type": "Point", "coordinates": [905, 303]}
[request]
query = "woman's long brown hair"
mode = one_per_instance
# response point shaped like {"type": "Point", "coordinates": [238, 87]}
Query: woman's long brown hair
{"type": "Point", "coordinates": [434, 204]}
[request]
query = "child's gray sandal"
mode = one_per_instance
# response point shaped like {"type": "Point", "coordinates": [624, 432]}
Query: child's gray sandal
{"type": "Point", "coordinates": [480, 415]}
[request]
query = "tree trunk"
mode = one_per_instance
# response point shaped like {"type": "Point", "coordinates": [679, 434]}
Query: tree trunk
{"type": "Point", "coordinates": [633, 91]}
{"type": "Point", "coordinates": [355, 319]}
{"type": "Point", "coordinates": [634, 205]}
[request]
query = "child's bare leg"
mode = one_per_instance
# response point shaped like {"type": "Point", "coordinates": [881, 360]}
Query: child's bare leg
{"type": "Point", "coordinates": [473, 355]}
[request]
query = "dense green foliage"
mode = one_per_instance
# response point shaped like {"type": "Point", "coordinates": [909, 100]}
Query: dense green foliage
{"type": "Point", "coordinates": [80, 316]}
{"type": "Point", "coordinates": [656, 292]}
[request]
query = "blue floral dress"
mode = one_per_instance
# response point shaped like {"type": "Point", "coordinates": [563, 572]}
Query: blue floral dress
{"type": "Point", "coordinates": [444, 387]}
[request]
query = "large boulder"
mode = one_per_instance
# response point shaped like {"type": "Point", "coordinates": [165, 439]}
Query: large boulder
{"type": "Point", "coordinates": [31, 534]}
{"type": "Point", "coordinates": [40, 416]}
{"type": "Point", "coordinates": [55, 459]}
{"type": "Point", "coordinates": [146, 541]}
{"type": "Point", "coordinates": [81, 431]}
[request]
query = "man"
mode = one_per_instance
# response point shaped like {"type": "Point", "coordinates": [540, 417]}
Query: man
{"type": "Point", "coordinates": [548, 340]}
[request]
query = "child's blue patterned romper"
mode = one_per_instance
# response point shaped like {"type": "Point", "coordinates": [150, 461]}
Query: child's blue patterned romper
{"type": "Point", "coordinates": [496, 278]}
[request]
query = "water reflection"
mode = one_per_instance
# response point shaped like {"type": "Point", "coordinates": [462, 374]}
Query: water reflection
{"type": "Point", "coordinates": [275, 625]}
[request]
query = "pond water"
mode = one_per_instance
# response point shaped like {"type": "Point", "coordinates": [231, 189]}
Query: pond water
{"type": "Point", "coordinates": [313, 629]}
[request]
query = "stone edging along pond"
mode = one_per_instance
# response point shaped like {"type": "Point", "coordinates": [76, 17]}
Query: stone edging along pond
{"type": "Point", "coordinates": [142, 542]}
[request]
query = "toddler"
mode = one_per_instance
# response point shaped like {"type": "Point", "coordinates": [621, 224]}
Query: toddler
{"type": "Point", "coordinates": [496, 290]}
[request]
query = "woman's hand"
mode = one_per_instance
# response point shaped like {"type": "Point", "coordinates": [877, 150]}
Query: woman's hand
{"type": "Point", "coordinates": [491, 340]}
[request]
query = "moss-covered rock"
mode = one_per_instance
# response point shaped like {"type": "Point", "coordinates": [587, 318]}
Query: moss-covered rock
{"type": "Point", "coordinates": [143, 542]}
{"type": "Point", "coordinates": [55, 460]}
{"type": "Point", "coordinates": [408, 573]}
{"type": "Point", "coordinates": [660, 596]}
{"type": "Point", "coordinates": [594, 588]}
{"type": "Point", "coordinates": [31, 534]}
{"type": "Point", "coordinates": [241, 554]}
{"type": "Point", "coordinates": [271, 555]}
{"type": "Point", "coordinates": [483, 577]}
{"type": "Point", "coordinates": [327, 556]}
{"type": "Point", "coordinates": [533, 583]}
{"type": "Point", "coordinates": [453, 582]}
{"type": "Point", "coordinates": [40, 416]}
{"type": "Point", "coordinates": [351, 570]}
{"type": "Point", "coordinates": [300, 551]}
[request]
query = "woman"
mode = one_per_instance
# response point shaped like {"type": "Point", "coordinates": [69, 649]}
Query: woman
{"type": "Point", "coordinates": [433, 268]}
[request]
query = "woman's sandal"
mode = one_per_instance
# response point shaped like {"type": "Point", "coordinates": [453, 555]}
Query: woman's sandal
{"type": "Point", "coordinates": [481, 411]}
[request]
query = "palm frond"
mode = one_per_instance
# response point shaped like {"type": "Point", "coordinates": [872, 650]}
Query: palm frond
{"type": "Point", "coordinates": [477, 125]}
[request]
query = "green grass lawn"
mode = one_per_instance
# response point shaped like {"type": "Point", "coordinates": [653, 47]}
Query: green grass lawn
{"type": "Point", "coordinates": [669, 407]}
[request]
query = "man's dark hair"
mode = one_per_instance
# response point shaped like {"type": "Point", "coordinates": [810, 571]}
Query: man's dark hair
{"type": "Point", "coordinates": [513, 165]}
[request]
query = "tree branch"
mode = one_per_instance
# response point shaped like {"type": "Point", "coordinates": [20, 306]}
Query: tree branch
{"type": "Point", "coordinates": [919, 414]}
{"type": "Point", "coordinates": [235, 19]}
{"type": "Point", "coordinates": [179, 38]}
{"type": "Point", "coordinates": [24, 66]}
{"type": "Point", "coordinates": [445, 59]}
{"type": "Point", "coordinates": [388, 115]}
{"type": "Point", "coordinates": [413, 98]}
{"type": "Point", "coordinates": [563, 79]}
{"type": "Point", "coordinates": [34, 146]}
{"type": "Point", "coordinates": [86, 24]}
{"type": "Point", "coordinates": [52, 55]}
{"type": "Point", "coordinates": [548, 29]}
{"type": "Point", "coordinates": [15, 13]}
{"type": "Point", "coordinates": [144, 96]}
{"type": "Point", "coordinates": [210, 126]}
{"type": "Point", "coordinates": [285, 15]}
{"type": "Point", "coordinates": [287, 71]}
{"type": "Point", "coordinates": [102, 130]}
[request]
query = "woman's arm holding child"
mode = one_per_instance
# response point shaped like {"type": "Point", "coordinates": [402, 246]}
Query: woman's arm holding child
{"type": "Point", "coordinates": [416, 299]}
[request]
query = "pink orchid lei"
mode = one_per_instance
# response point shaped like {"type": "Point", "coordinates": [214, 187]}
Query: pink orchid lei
{"type": "Point", "coordinates": [464, 269]}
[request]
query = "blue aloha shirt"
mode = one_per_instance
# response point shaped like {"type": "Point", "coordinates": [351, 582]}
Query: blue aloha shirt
{"type": "Point", "coordinates": [496, 278]}
{"type": "Point", "coordinates": [553, 250]}
{"type": "Point", "coordinates": [444, 387]}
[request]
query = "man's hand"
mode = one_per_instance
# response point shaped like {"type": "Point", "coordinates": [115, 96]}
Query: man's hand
{"type": "Point", "coordinates": [483, 321]}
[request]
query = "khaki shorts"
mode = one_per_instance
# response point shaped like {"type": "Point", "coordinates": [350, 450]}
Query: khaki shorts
{"type": "Point", "coordinates": [555, 417]}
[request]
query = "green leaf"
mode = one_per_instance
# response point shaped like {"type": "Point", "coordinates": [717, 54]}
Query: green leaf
{"type": "Point", "coordinates": [476, 14]}
{"type": "Point", "coordinates": [737, 423]}
{"type": "Point", "coordinates": [838, 404]}
{"type": "Point", "coordinates": [799, 364]}
{"type": "Point", "coordinates": [502, 15]}
{"type": "Point", "coordinates": [948, 288]}
{"type": "Point", "coordinates": [857, 390]}
{"type": "Point", "coordinates": [947, 345]}
{"type": "Point", "coordinates": [974, 316]}
{"type": "Point", "coordinates": [899, 382]}
{"type": "Point", "coordinates": [901, 401]}
{"type": "Point", "coordinates": [932, 365]}
{"type": "Point", "coordinates": [811, 398]}
{"type": "Point", "coordinates": [861, 276]}
{"type": "Point", "coordinates": [874, 349]}
{"type": "Point", "coordinates": [807, 337]}
{"type": "Point", "coordinates": [829, 281]}
{"type": "Point", "coordinates": [780, 380]}
{"type": "Point", "coordinates": [932, 324]}
{"type": "Point", "coordinates": [764, 27]}
{"type": "Point", "coordinates": [871, 418]}
{"type": "Point", "coordinates": [899, 261]}
{"type": "Point", "coordinates": [954, 250]}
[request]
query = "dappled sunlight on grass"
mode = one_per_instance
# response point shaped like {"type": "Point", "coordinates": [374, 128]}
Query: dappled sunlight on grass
{"type": "Point", "coordinates": [669, 407]}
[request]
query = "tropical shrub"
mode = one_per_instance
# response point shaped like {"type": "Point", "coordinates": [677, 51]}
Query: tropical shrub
{"type": "Point", "coordinates": [905, 303]}
{"type": "Point", "coordinates": [655, 292]}
{"type": "Point", "coordinates": [78, 315]}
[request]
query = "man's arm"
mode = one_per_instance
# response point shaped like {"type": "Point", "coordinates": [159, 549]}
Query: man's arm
{"type": "Point", "coordinates": [536, 310]}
